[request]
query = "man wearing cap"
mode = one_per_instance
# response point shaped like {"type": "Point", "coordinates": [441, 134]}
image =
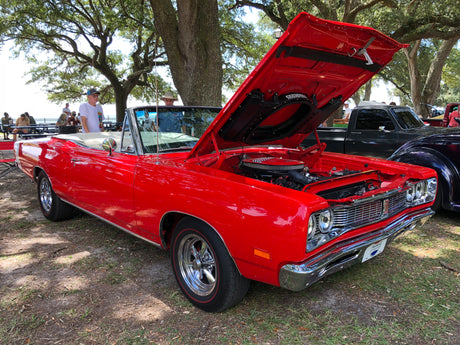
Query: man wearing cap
{"type": "Point", "coordinates": [91, 114]}
{"type": "Point", "coordinates": [346, 111]}
{"type": "Point", "coordinates": [452, 116]}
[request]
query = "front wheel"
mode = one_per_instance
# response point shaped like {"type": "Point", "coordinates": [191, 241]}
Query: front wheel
{"type": "Point", "coordinates": [204, 269]}
{"type": "Point", "coordinates": [52, 207]}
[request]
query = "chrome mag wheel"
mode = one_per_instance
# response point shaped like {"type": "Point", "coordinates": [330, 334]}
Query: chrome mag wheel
{"type": "Point", "coordinates": [46, 194]}
{"type": "Point", "coordinates": [203, 267]}
{"type": "Point", "coordinates": [52, 207]}
{"type": "Point", "coordinates": [197, 264]}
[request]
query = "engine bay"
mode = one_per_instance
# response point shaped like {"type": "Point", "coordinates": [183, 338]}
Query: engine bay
{"type": "Point", "coordinates": [308, 173]}
{"type": "Point", "coordinates": [295, 175]}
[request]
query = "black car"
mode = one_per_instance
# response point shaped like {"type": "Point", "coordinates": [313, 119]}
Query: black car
{"type": "Point", "coordinates": [440, 152]}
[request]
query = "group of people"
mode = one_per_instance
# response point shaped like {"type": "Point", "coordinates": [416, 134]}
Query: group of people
{"type": "Point", "coordinates": [92, 114]}
{"type": "Point", "coordinates": [90, 117]}
{"type": "Point", "coordinates": [24, 120]}
{"type": "Point", "coordinates": [68, 118]}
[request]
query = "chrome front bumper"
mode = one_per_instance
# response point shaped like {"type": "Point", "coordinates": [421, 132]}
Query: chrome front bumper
{"type": "Point", "coordinates": [297, 277]}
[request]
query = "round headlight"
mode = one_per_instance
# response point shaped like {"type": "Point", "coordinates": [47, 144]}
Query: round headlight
{"type": "Point", "coordinates": [420, 190]}
{"type": "Point", "coordinates": [311, 225]}
{"type": "Point", "coordinates": [410, 194]}
{"type": "Point", "coordinates": [325, 220]}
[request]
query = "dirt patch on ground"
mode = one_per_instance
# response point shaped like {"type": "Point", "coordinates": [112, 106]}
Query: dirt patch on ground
{"type": "Point", "coordinates": [82, 281]}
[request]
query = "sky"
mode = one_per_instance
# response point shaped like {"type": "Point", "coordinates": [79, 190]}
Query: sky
{"type": "Point", "coordinates": [17, 97]}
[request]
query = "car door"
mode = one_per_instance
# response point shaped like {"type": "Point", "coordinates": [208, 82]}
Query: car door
{"type": "Point", "coordinates": [374, 134]}
{"type": "Point", "coordinates": [102, 183]}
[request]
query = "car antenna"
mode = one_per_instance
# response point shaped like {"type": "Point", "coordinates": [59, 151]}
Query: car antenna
{"type": "Point", "coordinates": [157, 127]}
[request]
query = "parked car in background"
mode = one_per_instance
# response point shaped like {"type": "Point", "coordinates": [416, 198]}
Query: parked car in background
{"type": "Point", "coordinates": [435, 121]}
{"type": "Point", "coordinates": [112, 126]}
{"type": "Point", "coordinates": [442, 120]}
{"type": "Point", "coordinates": [440, 152]}
{"type": "Point", "coordinates": [375, 129]}
{"type": "Point", "coordinates": [236, 198]}
{"type": "Point", "coordinates": [432, 110]}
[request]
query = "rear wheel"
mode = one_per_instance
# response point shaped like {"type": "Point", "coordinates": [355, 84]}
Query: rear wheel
{"type": "Point", "coordinates": [52, 207]}
{"type": "Point", "coordinates": [204, 269]}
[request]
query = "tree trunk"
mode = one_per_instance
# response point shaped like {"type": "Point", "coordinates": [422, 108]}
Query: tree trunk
{"type": "Point", "coordinates": [120, 104]}
{"type": "Point", "coordinates": [427, 93]}
{"type": "Point", "coordinates": [191, 38]}
{"type": "Point", "coordinates": [414, 75]}
{"type": "Point", "coordinates": [121, 89]}
{"type": "Point", "coordinates": [433, 81]}
{"type": "Point", "coordinates": [367, 90]}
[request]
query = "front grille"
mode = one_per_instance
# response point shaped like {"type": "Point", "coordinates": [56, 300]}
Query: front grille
{"type": "Point", "coordinates": [347, 217]}
{"type": "Point", "coordinates": [369, 212]}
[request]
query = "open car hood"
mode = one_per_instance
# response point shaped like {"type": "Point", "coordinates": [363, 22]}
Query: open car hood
{"type": "Point", "coordinates": [311, 70]}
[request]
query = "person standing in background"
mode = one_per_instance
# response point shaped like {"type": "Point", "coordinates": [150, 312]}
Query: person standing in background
{"type": "Point", "coordinates": [346, 111]}
{"type": "Point", "coordinates": [91, 113]}
{"type": "Point", "coordinates": [6, 125]}
{"type": "Point", "coordinates": [452, 116]}
{"type": "Point", "coordinates": [170, 121]}
{"type": "Point", "coordinates": [169, 98]}
{"type": "Point", "coordinates": [66, 109]}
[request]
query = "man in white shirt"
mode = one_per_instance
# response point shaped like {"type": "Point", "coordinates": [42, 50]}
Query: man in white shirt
{"type": "Point", "coordinates": [346, 111]}
{"type": "Point", "coordinates": [91, 114]}
{"type": "Point", "coordinates": [66, 109]}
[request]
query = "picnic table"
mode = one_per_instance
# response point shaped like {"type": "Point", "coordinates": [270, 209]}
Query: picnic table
{"type": "Point", "coordinates": [36, 131]}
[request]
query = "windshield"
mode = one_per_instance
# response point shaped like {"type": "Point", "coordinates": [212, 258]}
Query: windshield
{"type": "Point", "coordinates": [166, 129]}
{"type": "Point", "coordinates": [407, 118]}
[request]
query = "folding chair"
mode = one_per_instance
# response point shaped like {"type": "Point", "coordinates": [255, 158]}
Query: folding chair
{"type": "Point", "coordinates": [7, 164]}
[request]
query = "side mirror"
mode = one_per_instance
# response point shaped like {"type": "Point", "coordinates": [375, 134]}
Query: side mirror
{"type": "Point", "coordinates": [109, 144]}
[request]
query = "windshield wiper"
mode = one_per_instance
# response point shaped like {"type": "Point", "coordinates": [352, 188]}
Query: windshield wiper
{"type": "Point", "coordinates": [180, 148]}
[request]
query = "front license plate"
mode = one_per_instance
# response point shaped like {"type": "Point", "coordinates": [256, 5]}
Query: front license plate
{"type": "Point", "coordinates": [374, 249]}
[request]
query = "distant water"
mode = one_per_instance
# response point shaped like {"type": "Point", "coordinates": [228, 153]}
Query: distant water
{"type": "Point", "coordinates": [53, 120]}
{"type": "Point", "coordinates": [46, 120]}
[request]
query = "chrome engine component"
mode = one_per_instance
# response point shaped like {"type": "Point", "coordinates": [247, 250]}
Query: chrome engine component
{"type": "Point", "coordinates": [295, 175]}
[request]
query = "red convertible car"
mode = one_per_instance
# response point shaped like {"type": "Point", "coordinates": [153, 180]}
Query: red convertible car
{"type": "Point", "coordinates": [234, 197]}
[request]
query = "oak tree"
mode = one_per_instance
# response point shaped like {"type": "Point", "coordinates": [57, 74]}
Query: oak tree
{"type": "Point", "coordinates": [417, 23]}
{"type": "Point", "coordinates": [79, 37]}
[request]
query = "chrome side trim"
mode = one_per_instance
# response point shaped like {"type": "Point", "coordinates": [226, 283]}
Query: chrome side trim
{"type": "Point", "coordinates": [296, 277]}
{"type": "Point", "coordinates": [115, 225]}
